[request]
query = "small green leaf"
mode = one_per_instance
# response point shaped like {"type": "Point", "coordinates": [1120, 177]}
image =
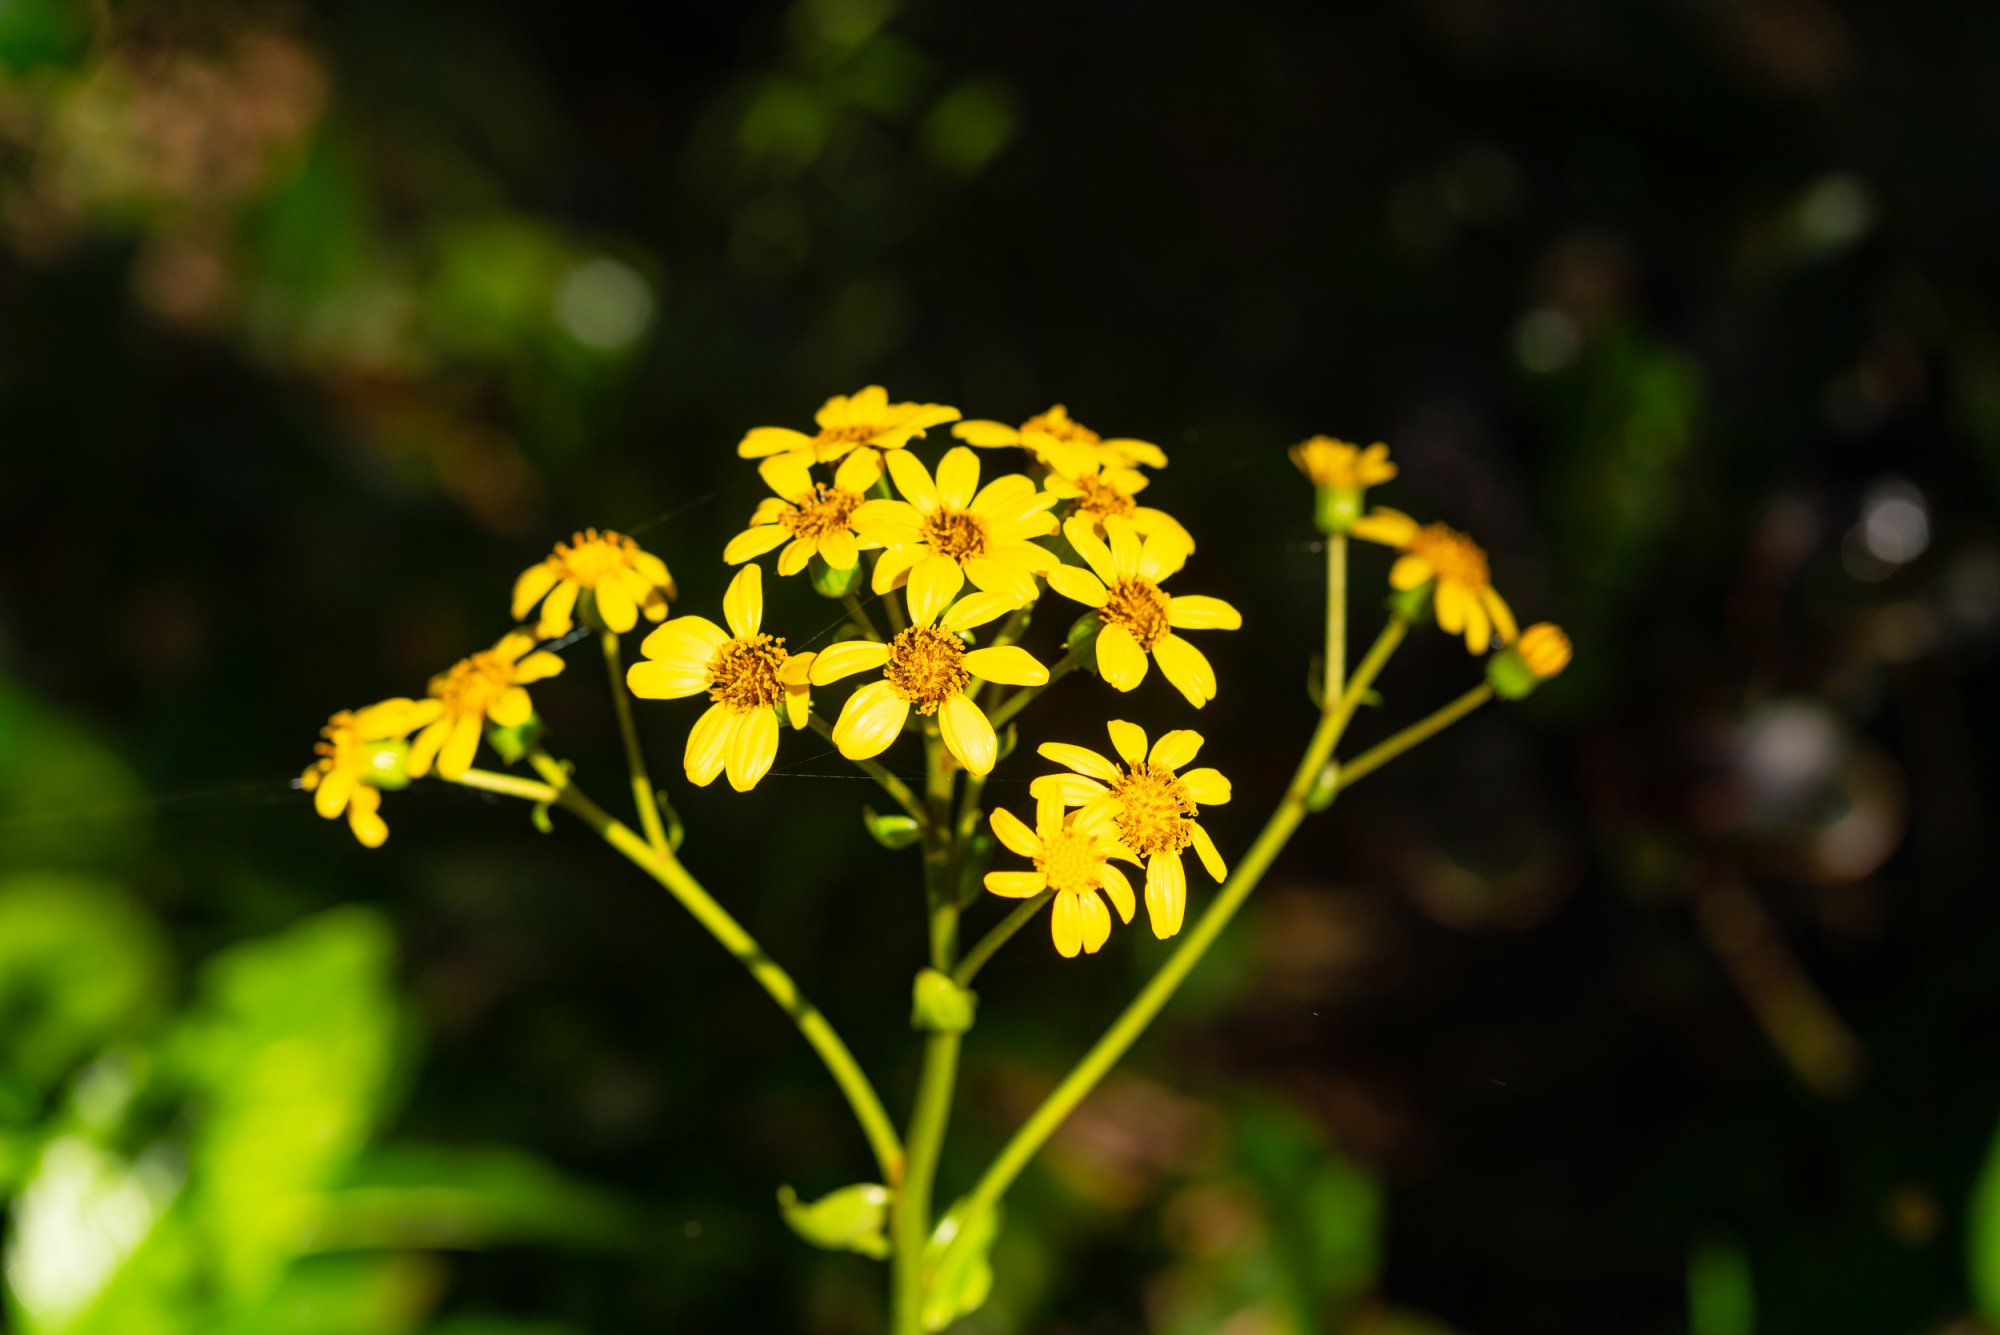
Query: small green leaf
{"type": "Point", "coordinates": [1082, 640]}
{"type": "Point", "coordinates": [894, 831]}
{"type": "Point", "coordinates": [513, 743]}
{"type": "Point", "coordinates": [940, 1006]}
{"type": "Point", "coordinates": [830, 583]}
{"type": "Point", "coordinates": [958, 1265]}
{"type": "Point", "coordinates": [851, 1219]}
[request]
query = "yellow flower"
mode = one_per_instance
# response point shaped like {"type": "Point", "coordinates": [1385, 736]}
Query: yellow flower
{"type": "Point", "coordinates": [1100, 490]}
{"type": "Point", "coordinates": [926, 667]}
{"type": "Point", "coordinates": [486, 686]}
{"type": "Point", "coordinates": [1136, 617]}
{"type": "Point", "coordinates": [850, 422]}
{"type": "Point", "coordinates": [625, 581]}
{"type": "Point", "coordinates": [947, 531]}
{"type": "Point", "coordinates": [1544, 648]}
{"type": "Point", "coordinates": [808, 518]}
{"type": "Point", "coordinates": [352, 749]}
{"type": "Point", "coordinates": [1152, 807]}
{"type": "Point", "coordinates": [1074, 861]}
{"type": "Point", "coordinates": [1335, 463]}
{"type": "Point", "coordinates": [749, 675]}
{"type": "Point", "coordinates": [1063, 443]}
{"type": "Point", "coordinates": [1465, 600]}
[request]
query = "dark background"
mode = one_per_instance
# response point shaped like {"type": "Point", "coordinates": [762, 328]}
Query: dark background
{"type": "Point", "coordinates": [320, 322]}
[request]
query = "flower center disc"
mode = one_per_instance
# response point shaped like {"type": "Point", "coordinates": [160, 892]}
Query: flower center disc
{"type": "Point", "coordinates": [589, 556]}
{"type": "Point", "coordinates": [1456, 558]}
{"type": "Point", "coordinates": [926, 667]}
{"type": "Point", "coordinates": [1156, 811]}
{"type": "Point", "coordinates": [827, 510]}
{"type": "Point", "coordinates": [1062, 427]}
{"type": "Point", "coordinates": [1101, 498]}
{"type": "Point", "coordinates": [1069, 861]}
{"type": "Point", "coordinates": [744, 673]}
{"type": "Point", "coordinates": [470, 686]}
{"type": "Point", "coordinates": [854, 433]}
{"type": "Point", "coordinates": [1139, 606]}
{"type": "Point", "coordinates": [959, 534]}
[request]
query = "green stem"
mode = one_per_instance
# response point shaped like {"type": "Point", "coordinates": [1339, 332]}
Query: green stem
{"type": "Point", "coordinates": [506, 785]}
{"type": "Point", "coordinates": [891, 785]}
{"type": "Point", "coordinates": [643, 795]}
{"type": "Point", "coordinates": [666, 869]}
{"type": "Point", "coordinates": [998, 936]}
{"type": "Point", "coordinates": [1355, 770]}
{"type": "Point", "coordinates": [1020, 699]}
{"type": "Point", "coordinates": [1336, 618]}
{"type": "Point", "coordinates": [1125, 1030]}
{"type": "Point", "coordinates": [964, 827]}
{"type": "Point", "coordinates": [860, 615]}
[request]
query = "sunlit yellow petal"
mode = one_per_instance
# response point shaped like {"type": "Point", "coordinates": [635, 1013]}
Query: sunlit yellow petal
{"type": "Point", "coordinates": [968, 734]}
{"type": "Point", "coordinates": [796, 557]}
{"type": "Point", "coordinates": [1081, 531]}
{"type": "Point", "coordinates": [743, 602]}
{"type": "Point", "coordinates": [1199, 612]}
{"type": "Point", "coordinates": [708, 745]}
{"type": "Point", "coordinates": [753, 745]}
{"type": "Point", "coordinates": [1119, 888]}
{"type": "Point", "coordinates": [1120, 660]}
{"type": "Point", "coordinates": [1206, 786]}
{"type": "Point", "coordinates": [1205, 849]}
{"type": "Point", "coordinates": [1176, 748]}
{"type": "Point", "coordinates": [977, 609]}
{"type": "Point", "coordinates": [1008, 664]}
{"type": "Point", "coordinates": [511, 708]}
{"type": "Point", "coordinates": [1078, 585]}
{"type": "Point", "coordinates": [752, 543]}
{"type": "Point", "coordinates": [1185, 666]}
{"type": "Point", "coordinates": [1016, 884]}
{"type": "Point", "coordinates": [1392, 528]}
{"type": "Point", "coordinates": [1096, 921]}
{"type": "Point", "coordinates": [767, 440]}
{"type": "Point", "coordinates": [957, 477]}
{"type": "Point", "coordinates": [858, 471]}
{"type": "Point", "coordinates": [1074, 789]}
{"type": "Point", "coordinates": [558, 610]}
{"type": "Point", "coordinates": [1166, 893]}
{"type": "Point", "coordinates": [532, 586]}
{"type": "Point", "coordinates": [934, 582]}
{"type": "Point", "coordinates": [846, 658]}
{"type": "Point", "coordinates": [615, 606]}
{"type": "Point", "coordinates": [870, 721]}
{"type": "Point", "coordinates": [913, 480]}
{"type": "Point", "coordinates": [1079, 758]}
{"type": "Point", "coordinates": [838, 549]}
{"type": "Point", "coordinates": [1066, 925]}
{"type": "Point", "coordinates": [537, 666]}
{"type": "Point", "coordinates": [456, 756]}
{"type": "Point", "coordinates": [1013, 834]}
{"type": "Point", "coordinates": [991, 576]}
{"type": "Point", "coordinates": [1128, 739]}
{"type": "Point", "coordinates": [986, 435]}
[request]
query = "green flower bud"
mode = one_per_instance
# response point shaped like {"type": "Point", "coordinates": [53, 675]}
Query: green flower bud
{"type": "Point", "coordinates": [1541, 652]}
{"type": "Point", "coordinates": [831, 583]}
{"type": "Point", "coordinates": [852, 1219]}
{"type": "Point", "coordinates": [894, 831]}
{"type": "Point", "coordinates": [1335, 509]}
{"type": "Point", "coordinates": [388, 765]}
{"type": "Point", "coordinates": [1325, 785]}
{"type": "Point", "coordinates": [1413, 605]}
{"type": "Point", "coordinates": [940, 1006]}
{"type": "Point", "coordinates": [513, 743]}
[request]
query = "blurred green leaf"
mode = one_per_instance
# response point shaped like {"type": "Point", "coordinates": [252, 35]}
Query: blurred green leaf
{"type": "Point", "coordinates": [851, 1219]}
{"type": "Point", "coordinates": [75, 1231]}
{"type": "Point", "coordinates": [1721, 1297]}
{"type": "Point", "coordinates": [958, 1265]}
{"type": "Point", "coordinates": [1983, 1235]}
{"type": "Point", "coordinates": [65, 800]}
{"type": "Point", "coordinates": [344, 1295]}
{"type": "Point", "coordinates": [969, 126]}
{"type": "Point", "coordinates": [438, 1196]}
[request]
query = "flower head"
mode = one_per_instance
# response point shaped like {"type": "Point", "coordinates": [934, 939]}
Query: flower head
{"type": "Point", "coordinates": [487, 687]}
{"type": "Point", "coordinates": [1072, 858]}
{"type": "Point", "coordinates": [1100, 490]}
{"type": "Point", "coordinates": [1335, 463]}
{"type": "Point", "coordinates": [749, 677]}
{"type": "Point", "coordinates": [1151, 804]}
{"type": "Point", "coordinates": [1467, 603]}
{"type": "Point", "coordinates": [1136, 617]}
{"type": "Point", "coordinates": [950, 529]}
{"type": "Point", "coordinates": [849, 422]}
{"type": "Point", "coordinates": [1544, 648]}
{"type": "Point", "coordinates": [807, 517]}
{"type": "Point", "coordinates": [623, 579]}
{"type": "Point", "coordinates": [359, 749]}
{"type": "Point", "coordinates": [1060, 441]}
{"type": "Point", "coordinates": [926, 667]}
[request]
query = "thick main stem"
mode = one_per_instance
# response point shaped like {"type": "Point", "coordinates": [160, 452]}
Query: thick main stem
{"type": "Point", "coordinates": [643, 796]}
{"type": "Point", "coordinates": [663, 867]}
{"type": "Point", "coordinates": [1125, 1030]}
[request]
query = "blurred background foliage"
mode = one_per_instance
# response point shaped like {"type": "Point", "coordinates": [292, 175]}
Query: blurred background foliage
{"type": "Point", "coordinates": [1660, 1005]}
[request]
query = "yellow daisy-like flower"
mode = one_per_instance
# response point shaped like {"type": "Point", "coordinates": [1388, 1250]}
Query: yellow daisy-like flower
{"type": "Point", "coordinates": [1100, 490]}
{"type": "Point", "coordinates": [351, 749]}
{"type": "Point", "coordinates": [950, 530]}
{"type": "Point", "coordinates": [926, 667]}
{"type": "Point", "coordinates": [1151, 804]}
{"type": "Point", "coordinates": [1063, 443]}
{"type": "Point", "coordinates": [487, 686]}
{"type": "Point", "coordinates": [1072, 859]}
{"type": "Point", "coordinates": [850, 422]}
{"type": "Point", "coordinates": [1136, 617]}
{"type": "Point", "coordinates": [749, 675]}
{"type": "Point", "coordinates": [1465, 600]}
{"type": "Point", "coordinates": [807, 517]}
{"type": "Point", "coordinates": [624, 579]}
{"type": "Point", "coordinates": [1335, 463]}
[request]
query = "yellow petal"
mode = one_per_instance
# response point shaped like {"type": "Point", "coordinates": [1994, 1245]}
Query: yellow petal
{"type": "Point", "coordinates": [456, 757]}
{"type": "Point", "coordinates": [870, 721]}
{"type": "Point", "coordinates": [752, 543]}
{"type": "Point", "coordinates": [1120, 890]}
{"type": "Point", "coordinates": [1410, 571]}
{"type": "Point", "coordinates": [330, 798]}
{"type": "Point", "coordinates": [1125, 545]}
{"type": "Point", "coordinates": [1128, 739]}
{"type": "Point", "coordinates": [1478, 630]}
{"type": "Point", "coordinates": [1163, 553]}
{"type": "Point", "coordinates": [1096, 921]}
{"type": "Point", "coordinates": [1008, 496]}
{"type": "Point", "coordinates": [1079, 758]}
{"type": "Point", "coordinates": [1066, 926]}
{"type": "Point", "coordinates": [1078, 585]}
{"type": "Point", "coordinates": [957, 477]}
{"type": "Point", "coordinates": [363, 819]}
{"type": "Point", "coordinates": [1204, 848]}
{"type": "Point", "coordinates": [858, 471]}
{"type": "Point", "coordinates": [424, 748]}
{"type": "Point", "coordinates": [1081, 531]}
{"type": "Point", "coordinates": [968, 734]}
{"type": "Point", "coordinates": [1008, 664]}
{"type": "Point", "coordinates": [788, 475]}
{"type": "Point", "coordinates": [1504, 626]}
{"type": "Point", "coordinates": [1074, 789]}
{"type": "Point", "coordinates": [615, 606]}
{"type": "Point", "coordinates": [795, 557]}
{"type": "Point", "coordinates": [893, 566]}
{"type": "Point", "coordinates": [1176, 748]}
{"type": "Point", "coordinates": [532, 586]}
{"type": "Point", "coordinates": [666, 681]}
{"type": "Point", "coordinates": [1206, 786]}
{"type": "Point", "coordinates": [1450, 605]}
{"type": "Point", "coordinates": [839, 549]}
{"type": "Point", "coordinates": [1186, 667]}
{"type": "Point", "coordinates": [708, 745]}
{"type": "Point", "coordinates": [986, 435]}
{"type": "Point", "coordinates": [1392, 528]}
{"type": "Point", "coordinates": [977, 609]}
{"type": "Point", "coordinates": [1016, 884]}
{"type": "Point", "coordinates": [762, 441]}
{"type": "Point", "coordinates": [934, 582]}
{"type": "Point", "coordinates": [558, 610]}
{"type": "Point", "coordinates": [685, 645]}
{"type": "Point", "coordinates": [753, 745]}
{"type": "Point", "coordinates": [846, 658]}
{"type": "Point", "coordinates": [743, 603]}
{"type": "Point", "coordinates": [891, 523]}
{"type": "Point", "coordinates": [1166, 893]}
{"type": "Point", "coordinates": [511, 708]}
{"type": "Point", "coordinates": [913, 480]}
{"type": "Point", "coordinates": [1013, 834]}
{"type": "Point", "coordinates": [1120, 660]}
{"type": "Point", "coordinates": [1200, 612]}
{"type": "Point", "coordinates": [990, 576]}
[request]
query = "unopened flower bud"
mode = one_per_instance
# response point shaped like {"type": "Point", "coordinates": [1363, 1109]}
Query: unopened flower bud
{"type": "Point", "coordinates": [1541, 652]}
{"type": "Point", "coordinates": [830, 583]}
{"type": "Point", "coordinates": [940, 1006]}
